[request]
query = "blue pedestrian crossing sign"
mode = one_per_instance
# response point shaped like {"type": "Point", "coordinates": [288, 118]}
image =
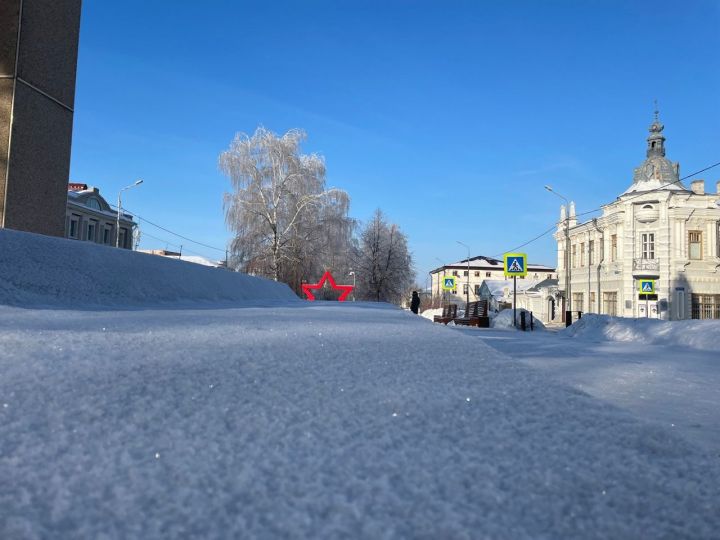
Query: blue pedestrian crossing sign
{"type": "Point", "coordinates": [448, 283]}
{"type": "Point", "coordinates": [515, 264]}
{"type": "Point", "coordinates": [647, 286]}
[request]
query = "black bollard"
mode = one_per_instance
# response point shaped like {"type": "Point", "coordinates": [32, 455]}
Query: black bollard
{"type": "Point", "coordinates": [522, 321]}
{"type": "Point", "coordinates": [579, 315]}
{"type": "Point", "coordinates": [532, 326]}
{"type": "Point", "coordinates": [568, 318]}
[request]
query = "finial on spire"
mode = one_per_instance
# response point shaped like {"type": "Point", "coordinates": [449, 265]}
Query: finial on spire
{"type": "Point", "coordinates": [657, 112]}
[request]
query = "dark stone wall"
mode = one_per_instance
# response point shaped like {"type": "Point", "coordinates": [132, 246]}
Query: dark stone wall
{"type": "Point", "coordinates": [36, 104]}
{"type": "Point", "coordinates": [9, 18]}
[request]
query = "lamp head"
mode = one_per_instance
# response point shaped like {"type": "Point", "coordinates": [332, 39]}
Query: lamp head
{"type": "Point", "coordinates": [138, 182]}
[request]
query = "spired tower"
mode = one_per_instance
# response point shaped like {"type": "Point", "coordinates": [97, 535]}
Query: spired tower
{"type": "Point", "coordinates": [656, 172]}
{"type": "Point", "coordinates": [38, 60]}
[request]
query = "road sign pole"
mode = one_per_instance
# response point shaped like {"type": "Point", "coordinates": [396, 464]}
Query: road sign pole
{"type": "Point", "coordinates": [515, 301]}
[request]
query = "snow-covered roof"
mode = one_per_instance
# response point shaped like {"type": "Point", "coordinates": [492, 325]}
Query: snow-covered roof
{"type": "Point", "coordinates": [482, 262]}
{"type": "Point", "coordinates": [549, 282]}
{"type": "Point", "coordinates": [500, 287]}
{"type": "Point", "coordinates": [199, 260]}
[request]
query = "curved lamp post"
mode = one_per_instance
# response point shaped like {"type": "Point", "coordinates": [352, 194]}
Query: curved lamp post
{"type": "Point", "coordinates": [119, 206]}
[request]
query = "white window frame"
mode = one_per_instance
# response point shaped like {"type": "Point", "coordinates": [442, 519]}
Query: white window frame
{"type": "Point", "coordinates": [647, 244]}
{"type": "Point", "coordinates": [699, 245]}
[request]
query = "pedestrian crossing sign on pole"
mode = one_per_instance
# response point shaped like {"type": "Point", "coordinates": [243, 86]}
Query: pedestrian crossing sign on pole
{"type": "Point", "coordinates": [515, 264]}
{"type": "Point", "coordinates": [448, 283]}
{"type": "Point", "coordinates": [646, 286]}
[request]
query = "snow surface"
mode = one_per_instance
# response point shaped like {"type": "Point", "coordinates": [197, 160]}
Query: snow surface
{"type": "Point", "coordinates": [306, 420]}
{"type": "Point", "coordinates": [671, 385]}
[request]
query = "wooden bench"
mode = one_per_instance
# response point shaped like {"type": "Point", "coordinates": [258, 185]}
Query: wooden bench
{"type": "Point", "coordinates": [476, 314]}
{"type": "Point", "coordinates": [449, 313]}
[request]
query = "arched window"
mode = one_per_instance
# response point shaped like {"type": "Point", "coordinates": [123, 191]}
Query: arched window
{"type": "Point", "coordinates": [92, 202]}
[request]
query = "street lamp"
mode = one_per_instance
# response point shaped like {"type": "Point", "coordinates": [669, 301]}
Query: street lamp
{"type": "Point", "coordinates": [353, 275]}
{"type": "Point", "coordinates": [119, 206]}
{"type": "Point", "coordinates": [467, 289]}
{"type": "Point", "coordinates": [567, 252]}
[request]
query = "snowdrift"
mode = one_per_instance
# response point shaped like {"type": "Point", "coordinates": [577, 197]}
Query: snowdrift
{"type": "Point", "coordinates": [40, 270]}
{"type": "Point", "coordinates": [703, 335]}
{"type": "Point", "coordinates": [504, 319]}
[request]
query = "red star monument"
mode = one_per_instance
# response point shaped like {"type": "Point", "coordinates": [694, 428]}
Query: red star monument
{"type": "Point", "coordinates": [327, 276]}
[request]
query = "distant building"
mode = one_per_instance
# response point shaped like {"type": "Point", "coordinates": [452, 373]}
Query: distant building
{"type": "Point", "coordinates": [472, 273]}
{"type": "Point", "coordinates": [196, 259]}
{"type": "Point", "coordinates": [657, 229]}
{"type": "Point", "coordinates": [88, 217]}
{"type": "Point", "coordinates": [541, 297]}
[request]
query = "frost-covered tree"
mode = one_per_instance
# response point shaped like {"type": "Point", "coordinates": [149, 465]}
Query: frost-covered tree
{"type": "Point", "coordinates": [383, 264]}
{"type": "Point", "coordinates": [286, 224]}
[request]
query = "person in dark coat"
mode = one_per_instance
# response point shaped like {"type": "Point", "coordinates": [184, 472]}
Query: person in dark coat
{"type": "Point", "coordinates": [415, 302]}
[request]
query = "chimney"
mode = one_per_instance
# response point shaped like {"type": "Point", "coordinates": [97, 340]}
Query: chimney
{"type": "Point", "coordinates": [698, 187]}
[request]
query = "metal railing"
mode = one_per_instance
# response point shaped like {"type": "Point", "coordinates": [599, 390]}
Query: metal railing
{"type": "Point", "coordinates": [646, 265]}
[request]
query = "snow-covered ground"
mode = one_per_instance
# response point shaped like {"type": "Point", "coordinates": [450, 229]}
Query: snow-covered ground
{"type": "Point", "coordinates": [263, 416]}
{"type": "Point", "coordinates": [667, 373]}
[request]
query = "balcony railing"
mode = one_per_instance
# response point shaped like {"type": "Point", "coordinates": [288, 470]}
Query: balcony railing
{"type": "Point", "coordinates": [646, 265]}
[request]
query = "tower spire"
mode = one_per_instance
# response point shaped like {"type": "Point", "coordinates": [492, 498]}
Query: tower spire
{"type": "Point", "coordinates": [656, 140]}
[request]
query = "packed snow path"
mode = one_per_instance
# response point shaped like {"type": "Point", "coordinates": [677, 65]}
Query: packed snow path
{"type": "Point", "coordinates": [317, 421]}
{"type": "Point", "coordinates": [674, 386]}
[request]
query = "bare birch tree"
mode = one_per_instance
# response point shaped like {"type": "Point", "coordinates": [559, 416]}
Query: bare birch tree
{"type": "Point", "coordinates": [383, 263]}
{"type": "Point", "coordinates": [285, 222]}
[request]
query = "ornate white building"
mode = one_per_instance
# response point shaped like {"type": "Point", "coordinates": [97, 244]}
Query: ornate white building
{"type": "Point", "coordinates": [657, 229]}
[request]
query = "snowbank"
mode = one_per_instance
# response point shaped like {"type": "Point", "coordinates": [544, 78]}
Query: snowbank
{"type": "Point", "coordinates": [703, 335]}
{"type": "Point", "coordinates": [40, 270]}
{"type": "Point", "coordinates": [430, 313]}
{"type": "Point", "coordinates": [504, 319]}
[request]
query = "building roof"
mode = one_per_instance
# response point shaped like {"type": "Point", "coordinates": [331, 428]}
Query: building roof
{"type": "Point", "coordinates": [497, 287]}
{"type": "Point", "coordinates": [549, 282]}
{"type": "Point", "coordinates": [89, 198]}
{"type": "Point", "coordinates": [482, 262]}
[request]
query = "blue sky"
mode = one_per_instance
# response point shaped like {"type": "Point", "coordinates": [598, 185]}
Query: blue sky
{"type": "Point", "coordinates": [449, 116]}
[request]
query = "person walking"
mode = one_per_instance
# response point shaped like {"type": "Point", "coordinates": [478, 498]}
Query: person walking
{"type": "Point", "coordinates": [415, 303]}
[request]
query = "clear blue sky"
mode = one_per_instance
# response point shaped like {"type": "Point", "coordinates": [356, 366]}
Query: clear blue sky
{"type": "Point", "coordinates": [449, 116]}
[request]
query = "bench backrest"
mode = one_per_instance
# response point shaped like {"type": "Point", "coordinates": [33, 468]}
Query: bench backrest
{"type": "Point", "coordinates": [472, 309]}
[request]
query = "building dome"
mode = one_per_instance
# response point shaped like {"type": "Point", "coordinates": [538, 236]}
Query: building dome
{"type": "Point", "coordinates": [656, 172]}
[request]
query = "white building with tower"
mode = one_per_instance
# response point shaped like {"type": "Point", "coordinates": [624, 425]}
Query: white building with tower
{"type": "Point", "coordinates": [658, 230]}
